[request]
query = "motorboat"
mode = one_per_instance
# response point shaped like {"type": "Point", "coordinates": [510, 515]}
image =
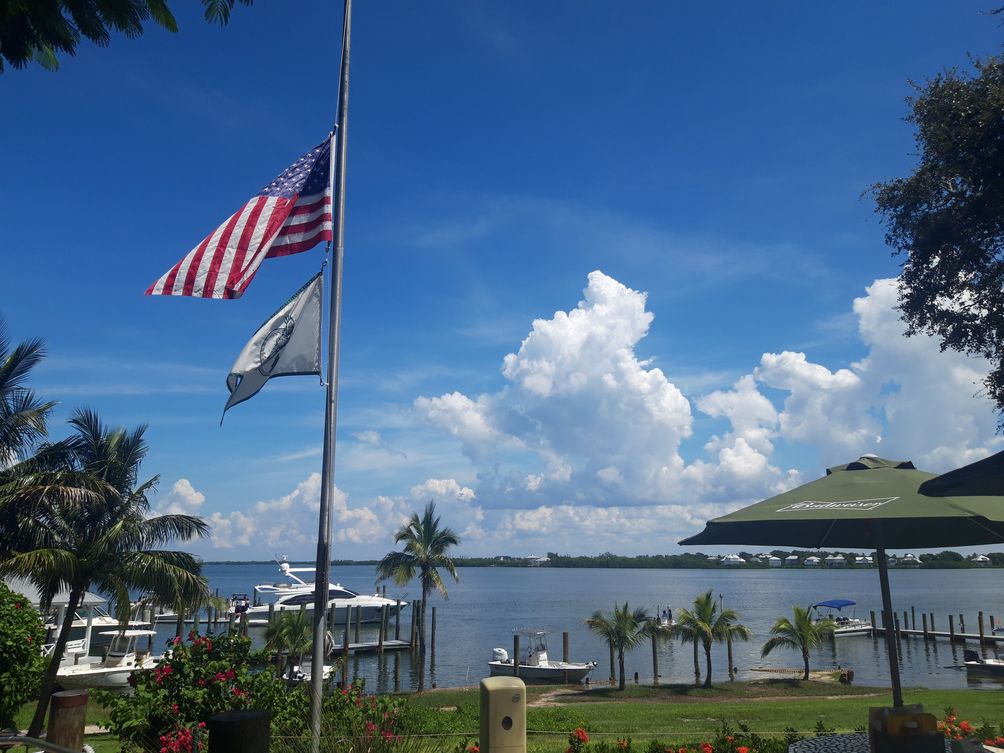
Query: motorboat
{"type": "Point", "coordinates": [844, 625]}
{"type": "Point", "coordinates": [296, 594]}
{"type": "Point", "coordinates": [976, 663]}
{"type": "Point", "coordinates": [302, 673]}
{"type": "Point", "coordinates": [112, 672]}
{"type": "Point", "coordinates": [537, 666]}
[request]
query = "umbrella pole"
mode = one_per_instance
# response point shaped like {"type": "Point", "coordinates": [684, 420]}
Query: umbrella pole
{"type": "Point", "coordinates": [890, 637]}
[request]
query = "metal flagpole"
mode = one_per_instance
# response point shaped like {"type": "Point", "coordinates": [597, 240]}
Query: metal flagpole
{"type": "Point", "coordinates": [323, 560]}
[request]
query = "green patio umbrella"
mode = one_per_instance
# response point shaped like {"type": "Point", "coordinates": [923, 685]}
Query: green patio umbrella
{"type": "Point", "coordinates": [871, 503]}
{"type": "Point", "coordinates": [984, 477]}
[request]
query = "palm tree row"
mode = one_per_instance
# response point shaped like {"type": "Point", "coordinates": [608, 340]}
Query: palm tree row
{"type": "Point", "coordinates": [706, 623]}
{"type": "Point", "coordinates": [74, 514]}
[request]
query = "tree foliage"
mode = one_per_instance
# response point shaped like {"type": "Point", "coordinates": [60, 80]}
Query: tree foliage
{"type": "Point", "coordinates": [706, 624]}
{"type": "Point", "coordinates": [800, 634]}
{"type": "Point", "coordinates": [38, 30]}
{"type": "Point", "coordinates": [623, 630]}
{"type": "Point", "coordinates": [947, 218]}
{"type": "Point", "coordinates": [426, 549]}
{"type": "Point", "coordinates": [21, 660]}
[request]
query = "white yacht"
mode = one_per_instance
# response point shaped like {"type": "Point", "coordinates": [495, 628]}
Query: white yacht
{"type": "Point", "coordinates": [297, 594]}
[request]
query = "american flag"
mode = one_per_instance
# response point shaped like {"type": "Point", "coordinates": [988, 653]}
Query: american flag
{"type": "Point", "coordinates": [291, 214]}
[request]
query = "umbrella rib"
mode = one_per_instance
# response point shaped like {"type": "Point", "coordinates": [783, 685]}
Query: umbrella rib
{"type": "Point", "coordinates": [829, 528]}
{"type": "Point", "coordinates": [986, 528]}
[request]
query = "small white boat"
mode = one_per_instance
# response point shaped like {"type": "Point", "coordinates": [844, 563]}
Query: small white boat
{"type": "Point", "coordinates": [299, 594]}
{"type": "Point", "coordinates": [111, 673]}
{"type": "Point", "coordinates": [843, 625]}
{"type": "Point", "coordinates": [537, 667]}
{"type": "Point", "coordinates": [976, 663]}
{"type": "Point", "coordinates": [302, 673]}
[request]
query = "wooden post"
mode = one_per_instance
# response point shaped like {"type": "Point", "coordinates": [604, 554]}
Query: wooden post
{"type": "Point", "coordinates": [933, 629]}
{"type": "Point", "coordinates": [271, 613]}
{"type": "Point", "coordinates": [231, 621]}
{"type": "Point", "coordinates": [895, 622]}
{"type": "Point", "coordinates": [906, 622]}
{"type": "Point", "coordinates": [148, 617]}
{"type": "Point", "coordinates": [913, 618]}
{"type": "Point", "coordinates": [383, 626]}
{"type": "Point", "coordinates": [564, 646]}
{"type": "Point", "coordinates": [979, 621]}
{"type": "Point", "coordinates": [515, 655]}
{"type": "Point", "coordinates": [348, 622]}
{"type": "Point", "coordinates": [927, 637]}
{"type": "Point", "coordinates": [951, 628]}
{"type": "Point", "coordinates": [397, 622]}
{"type": "Point", "coordinates": [240, 732]}
{"type": "Point", "coordinates": [66, 718]}
{"type": "Point", "coordinates": [432, 638]}
{"type": "Point", "coordinates": [359, 622]}
{"type": "Point", "coordinates": [873, 621]}
{"type": "Point", "coordinates": [655, 658]}
{"type": "Point", "coordinates": [962, 624]}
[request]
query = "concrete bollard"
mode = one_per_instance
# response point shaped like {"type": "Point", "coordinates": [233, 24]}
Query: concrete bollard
{"type": "Point", "coordinates": [503, 715]}
{"type": "Point", "coordinates": [66, 719]}
{"type": "Point", "coordinates": [240, 732]}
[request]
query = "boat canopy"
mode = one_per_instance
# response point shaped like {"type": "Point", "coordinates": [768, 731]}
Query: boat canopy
{"type": "Point", "coordinates": [835, 603]}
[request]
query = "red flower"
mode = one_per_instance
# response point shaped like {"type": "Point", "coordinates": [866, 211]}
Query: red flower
{"type": "Point", "coordinates": [474, 748]}
{"type": "Point", "coordinates": [581, 735]}
{"type": "Point", "coordinates": [706, 748]}
{"type": "Point", "coordinates": [966, 728]}
{"type": "Point", "coordinates": [17, 605]}
{"type": "Point", "coordinates": [742, 749]}
{"type": "Point", "coordinates": [174, 708]}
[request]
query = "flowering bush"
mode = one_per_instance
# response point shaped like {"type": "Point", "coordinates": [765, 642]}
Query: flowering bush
{"type": "Point", "coordinates": [194, 680]}
{"type": "Point", "coordinates": [578, 738]}
{"type": "Point", "coordinates": [21, 661]}
{"type": "Point", "coordinates": [371, 721]}
{"type": "Point", "coordinates": [955, 729]}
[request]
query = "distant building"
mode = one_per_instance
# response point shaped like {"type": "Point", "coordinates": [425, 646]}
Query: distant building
{"type": "Point", "coordinates": [733, 560]}
{"type": "Point", "coordinates": [536, 561]}
{"type": "Point", "coordinates": [713, 558]}
{"type": "Point", "coordinates": [863, 561]}
{"type": "Point", "coordinates": [775, 561]}
{"type": "Point", "coordinates": [792, 561]}
{"type": "Point", "coordinates": [835, 560]}
{"type": "Point", "coordinates": [981, 560]}
{"type": "Point", "coordinates": [811, 561]}
{"type": "Point", "coordinates": [909, 560]}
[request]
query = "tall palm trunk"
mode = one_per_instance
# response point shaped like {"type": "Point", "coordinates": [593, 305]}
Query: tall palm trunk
{"type": "Point", "coordinates": [805, 658]}
{"type": "Point", "coordinates": [620, 669]}
{"type": "Point", "coordinates": [697, 664]}
{"type": "Point", "coordinates": [707, 659]}
{"type": "Point", "coordinates": [426, 588]}
{"type": "Point", "coordinates": [49, 678]}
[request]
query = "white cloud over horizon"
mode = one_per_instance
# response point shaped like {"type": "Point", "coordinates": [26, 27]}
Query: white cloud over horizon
{"type": "Point", "coordinates": [579, 450]}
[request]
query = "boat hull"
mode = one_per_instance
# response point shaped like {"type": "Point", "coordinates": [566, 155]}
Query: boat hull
{"type": "Point", "coordinates": [986, 667]}
{"type": "Point", "coordinates": [370, 613]}
{"type": "Point", "coordinates": [554, 672]}
{"type": "Point", "coordinates": [82, 676]}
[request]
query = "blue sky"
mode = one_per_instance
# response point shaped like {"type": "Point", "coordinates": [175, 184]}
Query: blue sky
{"type": "Point", "coordinates": [609, 269]}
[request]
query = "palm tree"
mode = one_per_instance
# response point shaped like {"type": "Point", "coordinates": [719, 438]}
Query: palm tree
{"type": "Point", "coordinates": [22, 414]}
{"type": "Point", "coordinates": [426, 547]}
{"type": "Point", "coordinates": [801, 634]}
{"type": "Point", "coordinates": [707, 624]}
{"type": "Point", "coordinates": [98, 535]}
{"type": "Point", "coordinates": [292, 635]}
{"type": "Point", "coordinates": [623, 630]}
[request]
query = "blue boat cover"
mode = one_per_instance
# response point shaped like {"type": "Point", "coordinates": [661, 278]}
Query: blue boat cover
{"type": "Point", "coordinates": [836, 603]}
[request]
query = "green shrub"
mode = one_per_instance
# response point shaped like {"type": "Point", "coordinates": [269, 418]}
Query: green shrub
{"type": "Point", "coordinates": [172, 702]}
{"type": "Point", "coordinates": [21, 660]}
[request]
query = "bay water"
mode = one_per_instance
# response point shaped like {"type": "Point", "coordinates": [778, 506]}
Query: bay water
{"type": "Point", "coordinates": [488, 604]}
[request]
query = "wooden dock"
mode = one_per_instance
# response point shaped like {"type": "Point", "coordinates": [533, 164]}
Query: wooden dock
{"type": "Point", "coordinates": [372, 647]}
{"type": "Point", "coordinates": [958, 637]}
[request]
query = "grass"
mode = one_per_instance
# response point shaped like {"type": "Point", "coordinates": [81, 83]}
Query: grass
{"type": "Point", "coordinates": [668, 713]}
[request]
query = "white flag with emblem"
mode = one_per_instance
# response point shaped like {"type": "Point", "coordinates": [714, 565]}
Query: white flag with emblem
{"type": "Point", "coordinates": [289, 343]}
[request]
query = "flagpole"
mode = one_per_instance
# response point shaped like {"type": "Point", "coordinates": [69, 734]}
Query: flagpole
{"type": "Point", "coordinates": [323, 560]}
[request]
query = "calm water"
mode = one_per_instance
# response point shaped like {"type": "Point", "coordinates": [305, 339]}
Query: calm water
{"type": "Point", "coordinates": [488, 603]}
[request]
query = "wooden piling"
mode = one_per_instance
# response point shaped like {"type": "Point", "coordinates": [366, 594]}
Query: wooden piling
{"type": "Point", "coordinates": [231, 618]}
{"type": "Point", "coordinates": [383, 627]}
{"type": "Point", "coordinates": [66, 718]}
{"type": "Point", "coordinates": [271, 613]}
{"type": "Point", "coordinates": [933, 629]}
{"type": "Point", "coordinates": [962, 623]}
{"type": "Point", "coordinates": [979, 621]}
{"type": "Point", "coordinates": [906, 622]}
{"type": "Point", "coordinates": [895, 626]}
{"type": "Point", "coordinates": [432, 637]}
{"type": "Point", "coordinates": [397, 622]}
{"type": "Point", "coordinates": [927, 635]}
{"type": "Point", "coordinates": [873, 621]}
{"type": "Point", "coordinates": [913, 618]}
{"type": "Point", "coordinates": [564, 646]}
{"type": "Point", "coordinates": [359, 622]}
{"type": "Point", "coordinates": [148, 617]}
{"type": "Point", "coordinates": [951, 628]}
{"type": "Point", "coordinates": [345, 639]}
{"type": "Point", "coordinates": [515, 655]}
{"type": "Point", "coordinates": [655, 658]}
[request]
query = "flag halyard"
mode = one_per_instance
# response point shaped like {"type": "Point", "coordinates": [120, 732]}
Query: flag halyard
{"type": "Point", "coordinates": [291, 214]}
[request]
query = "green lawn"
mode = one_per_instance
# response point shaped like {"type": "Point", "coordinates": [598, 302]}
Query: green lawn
{"type": "Point", "coordinates": [668, 713]}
